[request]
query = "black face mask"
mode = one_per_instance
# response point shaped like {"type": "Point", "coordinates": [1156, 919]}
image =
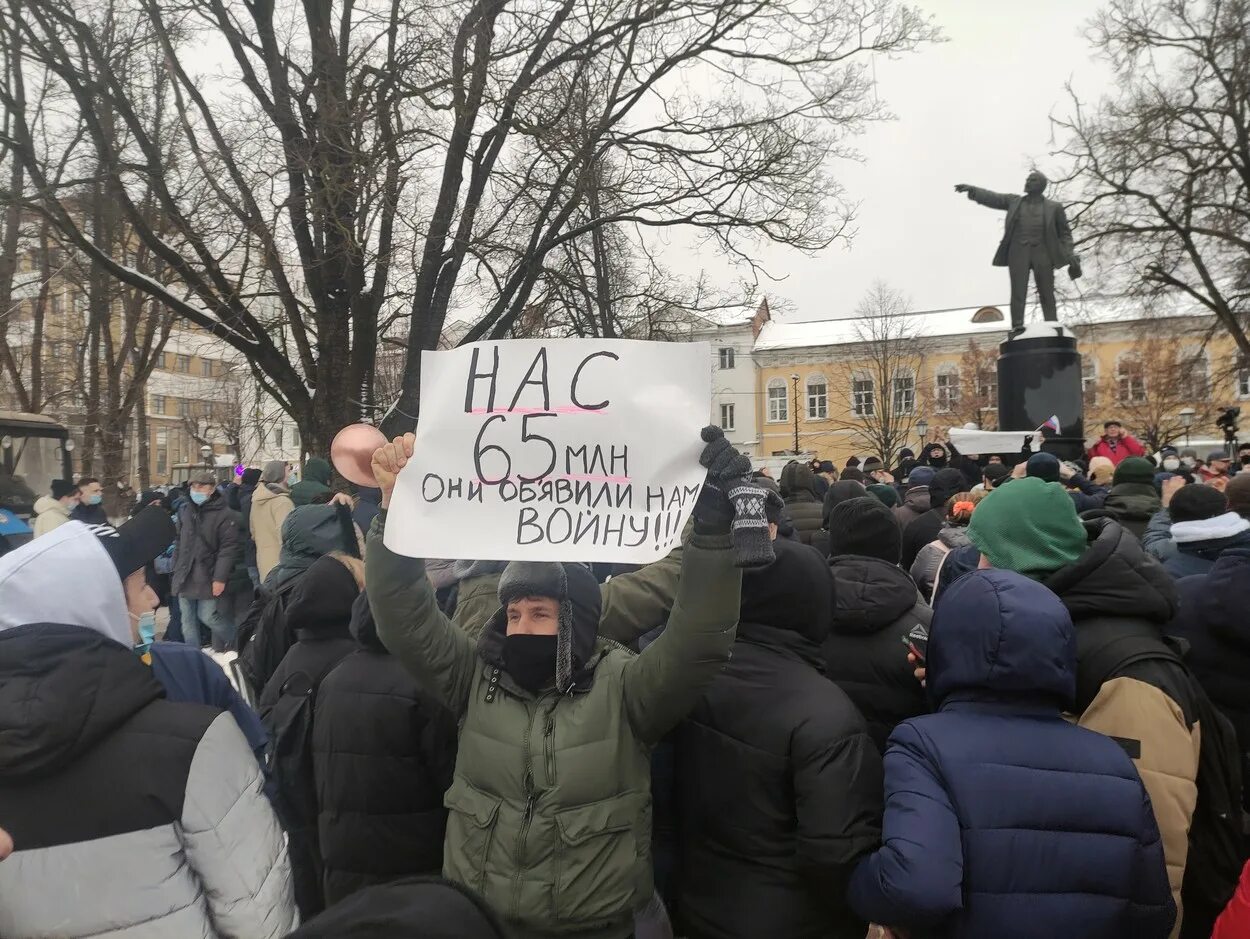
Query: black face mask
{"type": "Point", "coordinates": [530, 660]}
{"type": "Point", "coordinates": [1245, 459]}
{"type": "Point", "coordinates": [935, 460]}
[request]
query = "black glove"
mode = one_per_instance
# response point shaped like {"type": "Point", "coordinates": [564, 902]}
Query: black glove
{"type": "Point", "coordinates": [753, 545]}
{"type": "Point", "coordinates": [723, 462]}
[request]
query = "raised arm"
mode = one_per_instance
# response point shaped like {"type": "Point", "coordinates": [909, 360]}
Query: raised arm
{"type": "Point", "coordinates": [637, 602]}
{"type": "Point", "coordinates": [986, 197]}
{"type": "Point", "coordinates": [406, 612]}
{"type": "Point", "coordinates": [664, 682]}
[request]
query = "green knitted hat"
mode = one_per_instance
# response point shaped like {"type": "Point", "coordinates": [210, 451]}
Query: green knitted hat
{"type": "Point", "coordinates": [1134, 469]}
{"type": "Point", "coordinates": [1029, 526]}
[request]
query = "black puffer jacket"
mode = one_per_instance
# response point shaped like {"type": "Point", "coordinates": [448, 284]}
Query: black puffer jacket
{"type": "Point", "coordinates": [1130, 504]}
{"type": "Point", "coordinates": [875, 606]}
{"type": "Point", "coordinates": [319, 613]}
{"type": "Point", "coordinates": [384, 753]}
{"type": "Point", "coordinates": [798, 488]}
{"type": "Point", "coordinates": [780, 782]}
{"type": "Point", "coordinates": [1213, 619]}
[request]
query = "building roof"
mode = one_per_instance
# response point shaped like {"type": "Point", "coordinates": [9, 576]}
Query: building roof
{"type": "Point", "coordinates": [958, 321]}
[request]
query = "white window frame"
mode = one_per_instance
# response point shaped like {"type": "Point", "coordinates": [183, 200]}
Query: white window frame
{"type": "Point", "coordinates": [984, 388]}
{"type": "Point", "coordinates": [863, 399]}
{"type": "Point", "coordinates": [1121, 377]}
{"type": "Point", "coordinates": [726, 417]}
{"type": "Point", "coordinates": [781, 413]}
{"type": "Point", "coordinates": [907, 388]}
{"type": "Point", "coordinates": [1195, 366]}
{"type": "Point", "coordinates": [726, 354]}
{"type": "Point", "coordinates": [1243, 382]}
{"type": "Point", "coordinates": [817, 400]}
{"type": "Point", "coordinates": [1089, 383]}
{"type": "Point", "coordinates": [946, 390]}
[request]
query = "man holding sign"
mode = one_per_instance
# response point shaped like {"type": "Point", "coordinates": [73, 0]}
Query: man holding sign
{"type": "Point", "coordinates": [551, 803]}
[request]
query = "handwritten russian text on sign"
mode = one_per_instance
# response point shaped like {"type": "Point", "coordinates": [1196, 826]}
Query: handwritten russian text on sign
{"type": "Point", "coordinates": [556, 450]}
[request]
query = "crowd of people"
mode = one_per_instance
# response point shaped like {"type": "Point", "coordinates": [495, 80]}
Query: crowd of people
{"type": "Point", "coordinates": [937, 695]}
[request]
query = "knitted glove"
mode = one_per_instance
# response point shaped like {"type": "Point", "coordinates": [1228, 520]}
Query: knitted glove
{"type": "Point", "coordinates": [753, 547]}
{"type": "Point", "coordinates": [723, 462]}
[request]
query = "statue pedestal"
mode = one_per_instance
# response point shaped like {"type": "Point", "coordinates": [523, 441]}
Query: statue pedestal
{"type": "Point", "coordinates": [1039, 375]}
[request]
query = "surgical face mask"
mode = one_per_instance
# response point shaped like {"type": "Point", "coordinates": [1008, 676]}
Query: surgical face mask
{"type": "Point", "coordinates": [147, 631]}
{"type": "Point", "coordinates": [1171, 464]}
{"type": "Point", "coordinates": [95, 500]}
{"type": "Point", "coordinates": [199, 498]}
{"type": "Point", "coordinates": [1189, 461]}
{"type": "Point", "coordinates": [292, 478]}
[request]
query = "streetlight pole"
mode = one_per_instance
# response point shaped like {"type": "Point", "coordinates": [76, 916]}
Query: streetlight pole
{"type": "Point", "coordinates": [1187, 419]}
{"type": "Point", "coordinates": [795, 380]}
{"type": "Point", "coordinates": [922, 430]}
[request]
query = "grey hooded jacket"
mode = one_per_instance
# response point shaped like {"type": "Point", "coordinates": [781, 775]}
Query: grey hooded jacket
{"type": "Point", "coordinates": [132, 816]}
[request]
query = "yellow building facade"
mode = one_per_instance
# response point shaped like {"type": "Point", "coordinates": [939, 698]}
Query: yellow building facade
{"type": "Point", "coordinates": [840, 387]}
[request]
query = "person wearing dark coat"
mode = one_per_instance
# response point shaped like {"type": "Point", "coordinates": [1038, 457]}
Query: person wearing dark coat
{"type": "Point", "coordinates": [798, 489]}
{"type": "Point", "coordinates": [314, 487]}
{"type": "Point", "coordinates": [780, 781]}
{"type": "Point", "coordinates": [1133, 499]}
{"type": "Point", "coordinates": [1193, 530]}
{"type": "Point", "coordinates": [924, 529]}
{"type": "Point", "coordinates": [1131, 684]}
{"type": "Point", "coordinates": [209, 545]}
{"type": "Point", "coordinates": [1212, 618]}
{"type": "Point", "coordinates": [320, 613]}
{"type": "Point", "coordinates": [969, 467]}
{"type": "Point", "coordinates": [916, 500]}
{"type": "Point", "coordinates": [838, 493]}
{"type": "Point", "coordinates": [384, 753]}
{"type": "Point", "coordinates": [875, 604]}
{"type": "Point", "coordinates": [1001, 818]}
{"type": "Point", "coordinates": [416, 908]}
{"type": "Point", "coordinates": [367, 507]}
{"type": "Point", "coordinates": [247, 488]}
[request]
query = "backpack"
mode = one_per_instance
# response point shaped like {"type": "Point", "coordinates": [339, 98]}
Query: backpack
{"type": "Point", "coordinates": [289, 759]}
{"type": "Point", "coordinates": [265, 636]}
{"type": "Point", "coordinates": [1217, 846]}
{"type": "Point", "coordinates": [1217, 842]}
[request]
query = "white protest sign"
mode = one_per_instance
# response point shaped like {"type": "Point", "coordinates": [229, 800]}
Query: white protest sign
{"type": "Point", "coordinates": [554, 450]}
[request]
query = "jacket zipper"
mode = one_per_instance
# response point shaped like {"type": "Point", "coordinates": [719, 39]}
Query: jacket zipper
{"type": "Point", "coordinates": [528, 816]}
{"type": "Point", "coordinates": [549, 746]}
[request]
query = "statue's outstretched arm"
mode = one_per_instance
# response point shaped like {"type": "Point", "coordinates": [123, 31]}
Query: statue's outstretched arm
{"type": "Point", "coordinates": [986, 197]}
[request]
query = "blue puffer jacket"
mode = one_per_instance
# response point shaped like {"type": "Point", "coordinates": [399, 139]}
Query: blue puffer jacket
{"type": "Point", "coordinates": [1001, 818]}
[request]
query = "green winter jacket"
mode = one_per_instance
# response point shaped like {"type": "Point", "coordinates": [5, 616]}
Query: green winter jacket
{"type": "Point", "coordinates": [550, 808]}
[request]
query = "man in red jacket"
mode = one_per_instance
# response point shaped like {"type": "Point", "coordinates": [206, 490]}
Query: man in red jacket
{"type": "Point", "coordinates": [1115, 444]}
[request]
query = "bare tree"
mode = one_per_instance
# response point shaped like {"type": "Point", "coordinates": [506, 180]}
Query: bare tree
{"type": "Point", "coordinates": [1153, 382]}
{"type": "Point", "coordinates": [437, 138]}
{"type": "Point", "coordinates": [970, 394]}
{"type": "Point", "coordinates": [882, 381]}
{"type": "Point", "coordinates": [1164, 165]}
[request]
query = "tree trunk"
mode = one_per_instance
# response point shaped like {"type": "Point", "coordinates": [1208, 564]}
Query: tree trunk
{"type": "Point", "coordinates": [144, 448]}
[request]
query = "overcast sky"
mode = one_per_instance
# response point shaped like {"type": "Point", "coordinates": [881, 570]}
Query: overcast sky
{"type": "Point", "coordinates": [974, 109]}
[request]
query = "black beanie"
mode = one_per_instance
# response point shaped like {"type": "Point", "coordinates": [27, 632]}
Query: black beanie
{"type": "Point", "coordinates": [946, 483]}
{"type": "Point", "coordinates": [864, 526]}
{"type": "Point", "coordinates": [840, 491]}
{"type": "Point", "coordinates": [62, 488]}
{"type": "Point", "coordinates": [795, 592]}
{"type": "Point", "coordinates": [1195, 503]}
{"type": "Point", "coordinates": [1045, 466]}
